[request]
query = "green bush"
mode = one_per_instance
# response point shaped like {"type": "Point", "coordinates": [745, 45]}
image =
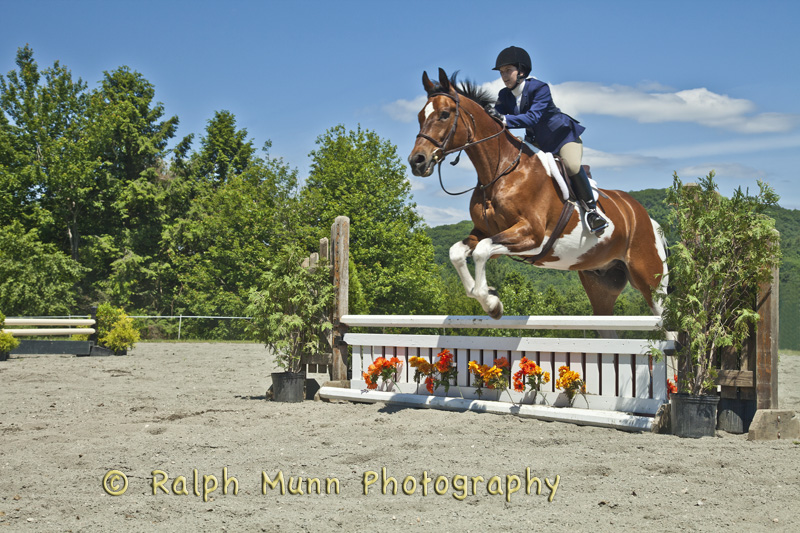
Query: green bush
{"type": "Point", "coordinates": [724, 247]}
{"type": "Point", "coordinates": [7, 341]}
{"type": "Point", "coordinates": [290, 311]}
{"type": "Point", "coordinates": [115, 329]}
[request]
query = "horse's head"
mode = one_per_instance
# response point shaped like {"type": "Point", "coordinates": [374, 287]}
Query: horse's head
{"type": "Point", "coordinates": [438, 125]}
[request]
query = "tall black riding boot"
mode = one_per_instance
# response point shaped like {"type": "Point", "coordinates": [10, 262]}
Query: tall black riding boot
{"type": "Point", "coordinates": [583, 190]}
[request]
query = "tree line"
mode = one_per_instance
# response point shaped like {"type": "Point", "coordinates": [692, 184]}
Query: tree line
{"type": "Point", "coordinates": [95, 206]}
{"type": "Point", "coordinates": [101, 202]}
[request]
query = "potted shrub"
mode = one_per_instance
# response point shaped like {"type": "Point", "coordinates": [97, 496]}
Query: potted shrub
{"type": "Point", "coordinates": [723, 248]}
{"type": "Point", "coordinates": [290, 315]}
{"type": "Point", "coordinates": [7, 341]}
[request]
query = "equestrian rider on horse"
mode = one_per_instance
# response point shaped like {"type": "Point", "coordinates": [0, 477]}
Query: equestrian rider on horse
{"type": "Point", "coordinates": [527, 103]}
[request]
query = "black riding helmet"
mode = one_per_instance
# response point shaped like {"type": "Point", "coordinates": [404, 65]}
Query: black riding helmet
{"type": "Point", "coordinates": [514, 55]}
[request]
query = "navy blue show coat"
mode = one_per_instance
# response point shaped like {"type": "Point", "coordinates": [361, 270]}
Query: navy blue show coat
{"type": "Point", "coordinates": [545, 125]}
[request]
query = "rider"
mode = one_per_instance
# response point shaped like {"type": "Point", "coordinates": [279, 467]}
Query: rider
{"type": "Point", "coordinates": [527, 103]}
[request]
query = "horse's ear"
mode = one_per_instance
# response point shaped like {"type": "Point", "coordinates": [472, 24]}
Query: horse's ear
{"type": "Point", "coordinates": [443, 81]}
{"type": "Point", "coordinates": [427, 83]}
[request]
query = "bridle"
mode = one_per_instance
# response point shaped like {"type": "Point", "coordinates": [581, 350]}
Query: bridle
{"type": "Point", "coordinates": [442, 152]}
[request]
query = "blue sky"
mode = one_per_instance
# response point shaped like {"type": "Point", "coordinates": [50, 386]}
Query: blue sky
{"type": "Point", "coordinates": [660, 86]}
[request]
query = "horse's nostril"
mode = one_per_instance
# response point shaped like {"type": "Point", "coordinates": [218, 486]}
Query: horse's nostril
{"type": "Point", "coordinates": [420, 158]}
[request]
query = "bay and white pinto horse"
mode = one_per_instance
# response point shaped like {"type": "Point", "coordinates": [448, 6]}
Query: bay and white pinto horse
{"type": "Point", "coordinates": [516, 206]}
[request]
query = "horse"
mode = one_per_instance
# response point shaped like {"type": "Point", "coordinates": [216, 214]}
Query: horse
{"type": "Point", "coordinates": [515, 208]}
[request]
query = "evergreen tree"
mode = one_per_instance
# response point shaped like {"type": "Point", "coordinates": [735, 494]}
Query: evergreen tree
{"type": "Point", "coordinates": [358, 175]}
{"type": "Point", "coordinates": [242, 214]}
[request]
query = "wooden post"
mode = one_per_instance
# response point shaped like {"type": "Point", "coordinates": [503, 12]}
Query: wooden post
{"type": "Point", "coordinates": [767, 344]}
{"type": "Point", "coordinates": [340, 262]}
{"type": "Point", "coordinates": [94, 338]}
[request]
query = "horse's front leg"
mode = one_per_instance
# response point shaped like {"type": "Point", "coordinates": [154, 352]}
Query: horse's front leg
{"type": "Point", "coordinates": [459, 253]}
{"type": "Point", "coordinates": [514, 241]}
{"type": "Point", "coordinates": [481, 291]}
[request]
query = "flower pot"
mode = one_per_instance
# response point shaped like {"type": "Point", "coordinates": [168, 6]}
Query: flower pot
{"type": "Point", "coordinates": [3, 356]}
{"type": "Point", "coordinates": [735, 415]}
{"type": "Point", "coordinates": [288, 386]}
{"type": "Point", "coordinates": [693, 416]}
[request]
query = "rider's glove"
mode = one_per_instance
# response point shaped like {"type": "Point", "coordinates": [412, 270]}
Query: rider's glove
{"type": "Point", "coordinates": [495, 115]}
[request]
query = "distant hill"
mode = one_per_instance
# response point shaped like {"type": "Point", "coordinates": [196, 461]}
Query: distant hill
{"type": "Point", "coordinates": [787, 221]}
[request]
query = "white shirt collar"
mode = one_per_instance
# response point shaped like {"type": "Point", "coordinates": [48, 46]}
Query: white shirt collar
{"type": "Point", "coordinates": [517, 91]}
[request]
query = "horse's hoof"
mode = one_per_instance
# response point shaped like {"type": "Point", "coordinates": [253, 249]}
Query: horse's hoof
{"type": "Point", "coordinates": [497, 311]}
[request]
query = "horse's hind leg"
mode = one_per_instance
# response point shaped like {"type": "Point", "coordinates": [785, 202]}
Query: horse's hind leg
{"type": "Point", "coordinates": [603, 287]}
{"type": "Point", "coordinates": [647, 268]}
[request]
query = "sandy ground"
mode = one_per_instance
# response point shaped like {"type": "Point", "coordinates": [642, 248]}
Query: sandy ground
{"type": "Point", "coordinates": [65, 422]}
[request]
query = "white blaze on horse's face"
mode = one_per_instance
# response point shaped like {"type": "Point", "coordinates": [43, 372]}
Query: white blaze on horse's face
{"type": "Point", "coordinates": [428, 110]}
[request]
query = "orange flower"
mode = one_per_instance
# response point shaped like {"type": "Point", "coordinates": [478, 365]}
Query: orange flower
{"type": "Point", "coordinates": [519, 378]}
{"type": "Point", "coordinates": [570, 381]}
{"type": "Point", "coordinates": [370, 384]}
{"type": "Point", "coordinates": [381, 368]}
{"type": "Point", "coordinates": [672, 387]}
{"type": "Point", "coordinates": [534, 373]}
{"type": "Point", "coordinates": [421, 365]}
{"type": "Point", "coordinates": [495, 377]}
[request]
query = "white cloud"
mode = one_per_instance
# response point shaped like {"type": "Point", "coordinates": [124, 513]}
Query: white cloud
{"type": "Point", "coordinates": [493, 86]}
{"type": "Point", "coordinates": [736, 146]}
{"type": "Point", "coordinates": [699, 106]}
{"type": "Point", "coordinates": [405, 110]}
{"type": "Point", "coordinates": [722, 171]}
{"type": "Point", "coordinates": [417, 184]}
{"type": "Point", "coordinates": [437, 216]}
{"type": "Point", "coordinates": [649, 102]}
{"type": "Point", "coordinates": [598, 159]}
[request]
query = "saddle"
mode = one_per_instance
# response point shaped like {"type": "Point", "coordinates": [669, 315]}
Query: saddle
{"type": "Point", "coordinates": [555, 166]}
{"type": "Point", "coordinates": [557, 170]}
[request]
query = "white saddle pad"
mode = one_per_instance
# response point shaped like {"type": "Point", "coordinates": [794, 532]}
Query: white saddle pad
{"type": "Point", "coordinates": [550, 165]}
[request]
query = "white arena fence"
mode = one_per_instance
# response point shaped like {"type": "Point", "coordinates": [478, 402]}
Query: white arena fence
{"type": "Point", "coordinates": [181, 318]}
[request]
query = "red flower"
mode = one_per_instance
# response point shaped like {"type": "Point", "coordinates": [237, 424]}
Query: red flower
{"type": "Point", "coordinates": [672, 388]}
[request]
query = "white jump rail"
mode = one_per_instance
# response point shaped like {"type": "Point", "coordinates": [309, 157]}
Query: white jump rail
{"type": "Point", "coordinates": [625, 384]}
{"type": "Point", "coordinates": [49, 331]}
{"type": "Point", "coordinates": [605, 323]}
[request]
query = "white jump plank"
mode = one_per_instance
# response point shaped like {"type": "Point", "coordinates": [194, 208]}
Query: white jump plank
{"type": "Point", "coordinates": [50, 322]}
{"type": "Point", "coordinates": [635, 323]}
{"type": "Point", "coordinates": [47, 332]}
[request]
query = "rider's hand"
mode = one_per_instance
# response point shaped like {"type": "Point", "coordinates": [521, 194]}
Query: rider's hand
{"type": "Point", "coordinates": [495, 115]}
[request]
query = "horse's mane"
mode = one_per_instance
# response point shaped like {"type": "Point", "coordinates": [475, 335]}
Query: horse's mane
{"type": "Point", "coordinates": [471, 90]}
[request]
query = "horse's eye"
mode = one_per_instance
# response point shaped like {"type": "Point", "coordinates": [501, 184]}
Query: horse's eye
{"type": "Point", "coordinates": [444, 115]}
